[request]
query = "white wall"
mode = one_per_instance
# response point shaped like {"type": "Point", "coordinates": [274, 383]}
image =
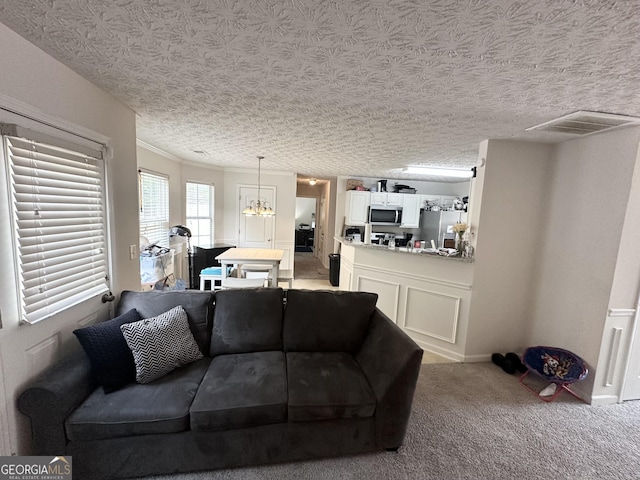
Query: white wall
{"type": "Point", "coordinates": [460, 189]}
{"type": "Point", "coordinates": [179, 173]}
{"type": "Point", "coordinates": [589, 187]}
{"type": "Point", "coordinates": [32, 79]}
{"type": "Point", "coordinates": [225, 182]}
{"type": "Point", "coordinates": [619, 369]}
{"type": "Point", "coordinates": [284, 205]}
{"type": "Point", "coordinates": [506, 216]}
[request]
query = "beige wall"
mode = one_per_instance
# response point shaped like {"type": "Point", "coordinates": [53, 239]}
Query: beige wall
{"type": "Point", "coordinates": [589, 186]}
{"type": "Point", "coordinates": [506, 216]}
{"type": "Point", "coordinates": [64, 94]}
{"type": "Point", "coordinates": [225, 182]}
{"type": "Point", "coordinates": [556, 237]}
{"type": "Point", "coordinates": [33, 82]}
{"type": "Point", "coordinates": [285, 203]}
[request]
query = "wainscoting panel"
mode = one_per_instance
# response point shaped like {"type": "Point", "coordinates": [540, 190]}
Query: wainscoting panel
{"type": "Point", "coordinates": [432, 313]}
{"type": "Point", "coordinates": [611, 374]}
{"type": "Point", "coordinates": [88, 320]}
{"type": "Point", "coordinates": [388, 294]}
{"type": "Point", "coordinates": [45, 352]}
{"type": "Point", "coordinates": [287, 258]}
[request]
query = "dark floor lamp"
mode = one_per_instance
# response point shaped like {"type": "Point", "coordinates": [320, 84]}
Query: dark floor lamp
{"type": "Point", "coordinates": [182, 231]}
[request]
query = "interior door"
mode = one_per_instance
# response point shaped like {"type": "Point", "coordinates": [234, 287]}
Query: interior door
{"type": "Point", "coordinates": [255, 231]}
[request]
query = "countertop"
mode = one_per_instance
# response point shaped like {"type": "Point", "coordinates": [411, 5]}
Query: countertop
{"type": "Point", "coordinates": [403, 250]}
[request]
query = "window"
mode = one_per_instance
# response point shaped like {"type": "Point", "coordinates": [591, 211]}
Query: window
{"type": "Point", "coordinates": [200, 199]}
{"type": "Point", "coordinates": [58, 211]}
{"type": "Point", "coordinates": [154, 208]}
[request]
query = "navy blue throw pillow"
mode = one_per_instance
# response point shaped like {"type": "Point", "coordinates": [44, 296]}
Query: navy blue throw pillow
{"type": "Point", "coordinates": [110, 356]}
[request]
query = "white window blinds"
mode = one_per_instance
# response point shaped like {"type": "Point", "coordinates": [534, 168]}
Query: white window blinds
{"type": "Point", "coordinates": [59, 218]}
{"type": "Point", "coordinates": [200, 213]}
{"type": "Point", "coordinates": [154, 208]}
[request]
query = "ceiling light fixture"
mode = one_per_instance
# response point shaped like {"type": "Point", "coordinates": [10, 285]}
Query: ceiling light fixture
{"type": "Point", "coordinates": [312, 181]}
{"type": "Point", "coordinates": [259, 206]}
{"type": "Point", "coordinates": [439, 172]}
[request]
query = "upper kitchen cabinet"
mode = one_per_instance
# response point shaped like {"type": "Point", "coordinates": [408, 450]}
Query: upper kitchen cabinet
{"type": "Point", "coordinates": [357, 208]}
{"type": "Point", "coordinates": [385, 199]}
{"type": "Point", "coordinates": [410, 211]}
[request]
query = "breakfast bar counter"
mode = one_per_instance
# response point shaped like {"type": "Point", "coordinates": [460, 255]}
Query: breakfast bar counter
{"type": "Point", "coordinates": [426, 294]}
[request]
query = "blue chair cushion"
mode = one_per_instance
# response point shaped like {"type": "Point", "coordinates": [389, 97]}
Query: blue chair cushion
{"type": "Point", "coordinates": [555, 364]}
{"type": "Point", "coordinates": [214, 271]}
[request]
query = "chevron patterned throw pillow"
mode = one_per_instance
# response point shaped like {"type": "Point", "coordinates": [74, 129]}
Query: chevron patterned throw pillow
{"type": "Point", "coordinates": [161, 344]}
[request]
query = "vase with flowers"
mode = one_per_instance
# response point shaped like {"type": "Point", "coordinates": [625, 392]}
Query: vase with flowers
{"type": "Point", "coordinates": [460, 228]}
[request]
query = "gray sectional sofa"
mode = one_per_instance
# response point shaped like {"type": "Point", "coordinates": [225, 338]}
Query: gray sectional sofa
{"type": "Point", "coordinates": [283, 376]}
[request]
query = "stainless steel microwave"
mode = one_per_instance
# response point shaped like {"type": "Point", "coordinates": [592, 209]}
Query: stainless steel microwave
{"type": "Point", "coordinates": [385, 216]}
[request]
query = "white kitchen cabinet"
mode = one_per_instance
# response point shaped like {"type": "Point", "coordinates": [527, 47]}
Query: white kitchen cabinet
{"type": "Point", "coordinates": [385, 199]}
{"type": "Point", "coordinates": [395, 199]}
{"type": "Point", "coordinates": [357, 208]}
{"type": "Point", "coordinates": [410, 211]}
{"type": "Point", "coordinates": [378, 198]}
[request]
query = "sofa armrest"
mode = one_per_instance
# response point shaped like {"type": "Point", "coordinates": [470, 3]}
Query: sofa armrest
{"type": "Point", "coordinates": [391, 361]}
{"type": "Point", "coordinates": [51, 397]}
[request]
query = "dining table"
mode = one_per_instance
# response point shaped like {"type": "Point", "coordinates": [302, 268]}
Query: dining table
{"type": "Point", "coordinates": [237, 256]}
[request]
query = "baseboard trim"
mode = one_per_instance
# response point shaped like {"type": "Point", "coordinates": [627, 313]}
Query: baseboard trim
{"type": "Point", "coordinates": [599, 400]}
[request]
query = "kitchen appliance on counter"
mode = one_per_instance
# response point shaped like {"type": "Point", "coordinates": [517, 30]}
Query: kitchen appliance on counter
{"type": "Point", "coordinates": [437, 226]}
{"type": "Point", "coordinates": [377, 238]}
{"type": "Point", "coordinates": [385, 215]}
{"type": "Point", "coordinates": [353, 235]}
{"type": "Point", "coordinates": [403, 239]}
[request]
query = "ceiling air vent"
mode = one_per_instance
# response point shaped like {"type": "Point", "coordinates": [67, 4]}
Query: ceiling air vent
{"type": "Point", "coordinates": [585, 123]}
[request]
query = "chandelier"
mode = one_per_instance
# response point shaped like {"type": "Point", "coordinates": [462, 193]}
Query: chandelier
{"type": "Point", "coordinates": [259, 206]}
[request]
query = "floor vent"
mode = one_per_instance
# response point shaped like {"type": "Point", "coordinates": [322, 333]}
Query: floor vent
{"type": "Point", "coordinates": [585, 123]}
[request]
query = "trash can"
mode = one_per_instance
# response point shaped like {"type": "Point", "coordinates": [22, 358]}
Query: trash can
{"type": "Point", "coordinates": [334, 269]}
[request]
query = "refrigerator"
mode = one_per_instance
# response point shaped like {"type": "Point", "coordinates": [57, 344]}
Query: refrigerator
{"type": "Point", "coordinates": [436, 226]}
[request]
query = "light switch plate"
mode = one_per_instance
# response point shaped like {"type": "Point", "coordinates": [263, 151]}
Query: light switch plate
{"type": "Point", "coordinates": [133, 253]}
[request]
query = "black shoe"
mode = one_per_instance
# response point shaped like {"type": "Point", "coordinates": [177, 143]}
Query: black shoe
{"type": "Point", "coordinates": [504, 363]}
{"type": "Point", "coordinates": [515, 360]}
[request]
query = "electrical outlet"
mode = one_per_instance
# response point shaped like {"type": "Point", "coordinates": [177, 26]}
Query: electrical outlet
{"type": "Point", "coordinates": [133, 252]}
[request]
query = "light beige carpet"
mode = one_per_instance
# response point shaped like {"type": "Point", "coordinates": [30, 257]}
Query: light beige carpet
{"type": "Point", "coordinates": [473, 421]}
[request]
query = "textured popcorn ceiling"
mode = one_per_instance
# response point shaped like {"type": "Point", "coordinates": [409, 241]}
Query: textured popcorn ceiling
{"type": "Point", "coordinates": [341, 87]}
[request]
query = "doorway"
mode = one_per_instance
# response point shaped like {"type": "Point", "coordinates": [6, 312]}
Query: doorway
{"type": "Point", "coordinates": [305, 225]}
{"type": "Point", "coordinates": [255, 231]}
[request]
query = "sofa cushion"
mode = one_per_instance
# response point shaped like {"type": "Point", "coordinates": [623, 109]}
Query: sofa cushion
{"type": "Point", "coordinates": [324, 386]}
{"type": "Point", "coordinates": [161, 344]}
{"type": "Point", "coordinates": [139, 409]}
{"type": "Point", "coordinates": [110, 357]}
{"type": "Point", "coordinates": [327, 321]}
{"type": "Point", "coordinates": [247, 320]}
{"type": "Point", "coordinates": [197, 304]}
{"type": "Point", "coordinates": [241, 390]}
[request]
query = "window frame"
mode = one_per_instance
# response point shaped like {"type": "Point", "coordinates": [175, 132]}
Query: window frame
{"type": "Point", "coordinates": [211, 217]}
{"type": "Point", "coordinates": [158, 238]}
{"type": "Point", "coordinates": [51, 269]}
